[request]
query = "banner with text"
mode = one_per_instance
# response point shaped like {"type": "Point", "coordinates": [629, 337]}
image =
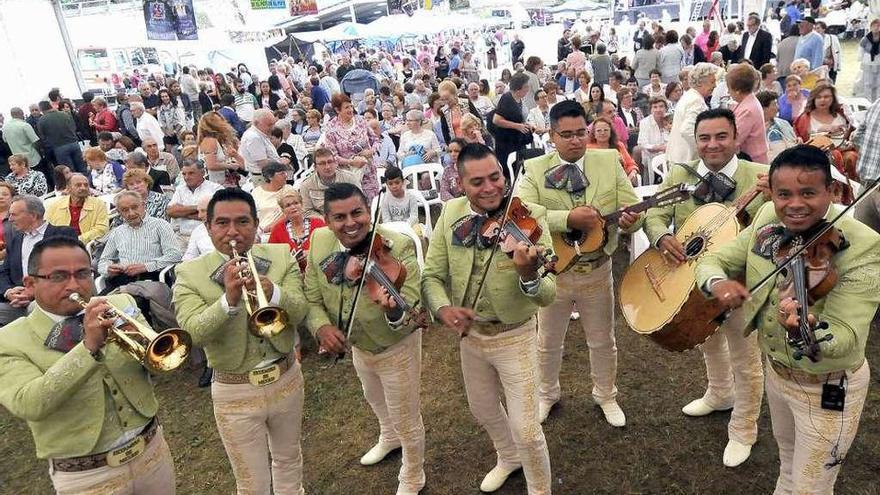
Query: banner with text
{"type": "Point", "coordinates": [170, 20]}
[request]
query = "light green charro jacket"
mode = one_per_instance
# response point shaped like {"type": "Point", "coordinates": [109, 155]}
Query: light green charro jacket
{"type": "Point", "coordinates": [609, 190]}
{"type": "Point", "coordinates": [658, 220]}
{"type": "Point", "coordinates": [370, 329]}
{"type": "Point", "coordinates": [229, 345]}
{"type": "Point", "coordinates": [448, 271]}
{"type": "Point", "coordinates": [64, 396]}
{"type": "Point", "coordinates": [848, 308]}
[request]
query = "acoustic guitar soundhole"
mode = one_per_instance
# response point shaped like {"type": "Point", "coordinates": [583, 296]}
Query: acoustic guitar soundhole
{"type": "Point", "coordinates": [694, 247]}
{"type": "Point", "coordinates": [572, 236]}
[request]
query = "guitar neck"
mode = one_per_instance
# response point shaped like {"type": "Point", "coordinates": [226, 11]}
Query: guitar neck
{"type": "Point", "coordinates": [746, 199]}
{"type": "Point", "coordinates": [614, 217]}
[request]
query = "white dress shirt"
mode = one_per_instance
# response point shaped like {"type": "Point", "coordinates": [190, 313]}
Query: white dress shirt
{"type": "Point", "coordinates": [750, 42]}
{"type": "Point", "coordinates": [729, 169]}
{"type": "Point", "coordinates": [199, 243]}
{"type": "Point", "coordinates": [29, 240]}
{"type": "Point", "coordinates": [185, 196]}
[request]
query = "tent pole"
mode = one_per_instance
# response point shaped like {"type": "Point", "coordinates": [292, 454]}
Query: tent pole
{"type": "Point", "coordinates": [68, 46]}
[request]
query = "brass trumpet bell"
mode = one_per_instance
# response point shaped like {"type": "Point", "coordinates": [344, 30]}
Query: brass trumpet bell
{"type": "Point", "coordinates": [158, 352]}
{"type": "Point", "coordinates": [265, 319]}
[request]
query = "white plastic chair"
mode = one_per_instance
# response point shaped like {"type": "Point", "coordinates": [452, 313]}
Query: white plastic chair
{"type": "Point", "coordinates": [434, 171]}
{"type": "Point", "coordinates": [639, 242]}
{"type": "Point", "coordinates": [511, 159]}
{"type": "Point", "coordinates": [645, 191]}
{"type": "Point", "coordinates": [163, 274]}
{"type": "Point", "coordinates": [659, 166]}
{"type": "Point", "coordinates": [405, 229]}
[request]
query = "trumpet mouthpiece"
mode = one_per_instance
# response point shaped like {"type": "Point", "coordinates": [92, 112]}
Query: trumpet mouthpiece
{"type": "Point", "coordinates": [75, 297]}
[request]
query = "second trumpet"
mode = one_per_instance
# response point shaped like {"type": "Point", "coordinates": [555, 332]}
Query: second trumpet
{"type": "Point", "coordinates": [264, 318]}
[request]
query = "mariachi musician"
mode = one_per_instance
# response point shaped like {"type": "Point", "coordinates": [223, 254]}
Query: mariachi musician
{"type": "Point", "coordinates": [733, 364]}
{"type": "Point", "coordinates": [491, 301]}
{"type": "Point", "coordinates": [257, 386]}
{"type": "Point", "coordinates": [385, 339]}
{"type": "Point", "coordinates": [90, 406]}
{"type": "Point", "coordinates": [577, 187]}
{"type": "Point", "coordinates": [814, 336]}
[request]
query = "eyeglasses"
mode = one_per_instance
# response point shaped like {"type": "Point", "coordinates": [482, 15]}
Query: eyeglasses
{"type": "Point", "coordinates": [569, 135]}
{"type": "Point", "coordinates": [61, 276]}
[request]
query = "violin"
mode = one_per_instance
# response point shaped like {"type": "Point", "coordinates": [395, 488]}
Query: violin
{"type": "Point", "coordinates": [384, 272]}
{"type": "Point", "coordinates": [519, 226]}
{"type": "Point", "coordinates": [808, 277]}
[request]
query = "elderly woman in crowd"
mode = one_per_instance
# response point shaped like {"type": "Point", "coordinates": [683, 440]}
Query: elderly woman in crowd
{"type": "Point", "coordinates": [582, 93]}
{"type": "Point", "coordinates": [267, 194]}
{"type": "Point", "coordinates": [105, 176]}
{"type": "Point", "coordinates": [824, 116]}
{"type": "Point", "coordinates": [23, 179]}
{"type": "Point", "coordinates": [751, 136]}
{"type": "Point", "coordinates": [539, 117]}
{"type": "Point", "coordinates": [801, 68]}
{"type": "Point", "coordinates": [793, 100]}
{"type": "Point", "coordinates": [294, 229]}
{"type": "Point", "coordinates": [349, 138]}
{"type": "Point", "coordinates": [417, 144]}
{"type": "Point", "coordinates": [604, 137]}
{"type": "Point", "coordinates": [656, 87]}
{"type": "Point", "coordinates": [140, 182]}
{"type": "Point", "coordinates": [218, 148]}
{"type": "Point", "coordinates": [454, 108]}
{"type": "Point", "coordinates": [295, 141]}
{"type": "Point", "coordinates": [297, 120]}
{"type": "Point", "coordinates": [780, 134]}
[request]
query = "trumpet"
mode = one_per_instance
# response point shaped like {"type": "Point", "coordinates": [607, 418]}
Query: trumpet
{"type": "Point", "coordinates": [158, 352]}
{"type": "Point", "coordinates": [265, 319]}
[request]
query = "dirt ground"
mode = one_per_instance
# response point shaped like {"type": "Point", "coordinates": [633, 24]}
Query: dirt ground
{"type": "Point", "coordinates": [660, 451]}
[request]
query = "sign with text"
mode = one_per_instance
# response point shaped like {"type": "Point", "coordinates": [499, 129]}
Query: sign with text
{"type": "Point", "coordinates": [268, 4]}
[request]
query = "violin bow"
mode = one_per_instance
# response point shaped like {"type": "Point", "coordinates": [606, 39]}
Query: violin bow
{"type": "Point", "coordinates": [357, 293]}
{"type": "Point", "coordinates": [497, 240]}
{"type": "Point", "coordinates": [828, 226]}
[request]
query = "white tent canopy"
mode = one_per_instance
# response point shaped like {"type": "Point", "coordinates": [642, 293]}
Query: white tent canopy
{"type": "Point", "coordinates": [419, 24]}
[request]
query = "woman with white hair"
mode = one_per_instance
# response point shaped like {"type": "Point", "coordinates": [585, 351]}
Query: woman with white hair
{"type": "Point", "coordinates": [682, 145]}
{"type": "Point", "coordinates": [801, 68]}
{"type": "Point", "coordinates": [295, 141]}
{"type": "Point", "coordinates": [417, 145]}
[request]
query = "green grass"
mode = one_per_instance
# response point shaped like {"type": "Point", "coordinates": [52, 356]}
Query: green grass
{"type": "Point", "coordinates": [659, 452]}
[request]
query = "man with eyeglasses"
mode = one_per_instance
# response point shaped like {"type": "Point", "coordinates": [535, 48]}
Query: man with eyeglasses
{"type": "Point", "coordinates": [26, 214]}
{"type": "Point", "coordinates": [90, 406]}
{"type": "Point", "coordinates": [577, 187]}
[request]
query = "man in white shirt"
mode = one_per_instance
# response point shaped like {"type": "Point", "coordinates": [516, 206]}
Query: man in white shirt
{"type": "Point", "coordinates": [182, 207]}
{"type": "Point", "coordinates": [682, 145]}
{"type": "Point", "coordinates": [245, 102]}
{"type": "Point", "coordinates": [139, 248]}
{"type": "Point", "coordinates": [256, 148]}
{"type": "Point", "coordinates": [653, 136]}
{"type": "Point", "coordinates": [200, 241]}
{"type": "Point", "coordinates": [147, 125]}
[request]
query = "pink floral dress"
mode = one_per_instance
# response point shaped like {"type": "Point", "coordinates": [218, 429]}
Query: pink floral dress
{"type": "Point", "coordinates": [347, 142]}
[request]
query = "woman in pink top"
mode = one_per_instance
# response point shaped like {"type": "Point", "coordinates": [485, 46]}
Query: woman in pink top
{"type": "Point", "coordinates": [751, 136]}
{"type": "Point", "coordinates": [576, 58]}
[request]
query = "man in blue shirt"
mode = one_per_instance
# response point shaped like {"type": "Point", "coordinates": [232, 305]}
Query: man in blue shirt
{"type": "Point", "coordinates": [228, 113]}
{"type": "Point", "coordinates": [810, 46]}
